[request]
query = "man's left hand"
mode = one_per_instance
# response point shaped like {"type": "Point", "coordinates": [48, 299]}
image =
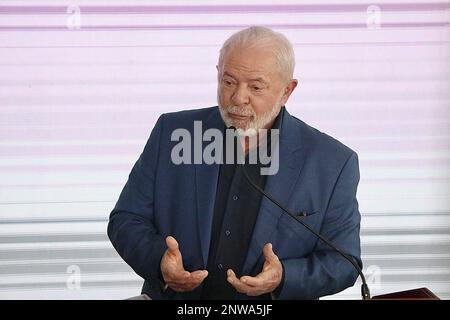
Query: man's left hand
{"type": "Point", "coordinates": [265, 282]}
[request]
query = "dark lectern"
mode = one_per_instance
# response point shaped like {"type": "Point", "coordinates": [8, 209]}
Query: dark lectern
{"type": "Point", "coordinates": [414, 294]}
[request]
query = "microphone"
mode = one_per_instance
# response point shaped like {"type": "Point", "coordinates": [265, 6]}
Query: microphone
{"type": "Point", "coordinates": [365, 292]}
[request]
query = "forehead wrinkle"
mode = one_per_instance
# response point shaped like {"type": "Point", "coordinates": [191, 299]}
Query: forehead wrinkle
{"type": "Point", "coordinates": [242, 66]}
{"type": "Point", "coordinates": [253, 75]}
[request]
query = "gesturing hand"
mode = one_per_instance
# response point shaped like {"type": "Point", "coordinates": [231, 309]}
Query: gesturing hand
{"type": "Point", "coordinates": [173, 271]}
{"type": "Point", "coordinates": [265, 282]}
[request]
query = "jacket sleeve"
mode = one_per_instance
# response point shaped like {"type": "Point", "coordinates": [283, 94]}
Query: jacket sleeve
{"type": "Point", "coordinates": [324, 271]}
{"type": "Point", "coordinates": [131, 227]}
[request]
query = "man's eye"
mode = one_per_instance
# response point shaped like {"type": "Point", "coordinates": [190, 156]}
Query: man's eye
{"type": "Point", "coordinates": [227, 82]}
{"type": "Point", "coordinates": [256, 88]}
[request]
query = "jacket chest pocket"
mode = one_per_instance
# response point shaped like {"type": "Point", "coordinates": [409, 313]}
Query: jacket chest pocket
{"type": "Point", "coordinates": [292, 239]}
{"type": "Point", "coordinates": [292, 228]}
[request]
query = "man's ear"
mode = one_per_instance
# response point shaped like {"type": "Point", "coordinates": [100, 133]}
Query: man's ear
{"type": "Point", "coordinates": [218, 72]}
{"type": "Point", "coordinates": [288, 91]}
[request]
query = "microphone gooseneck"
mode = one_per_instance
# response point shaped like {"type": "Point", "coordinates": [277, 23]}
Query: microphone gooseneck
{"type": "Point", "coordinates": [365, 292]}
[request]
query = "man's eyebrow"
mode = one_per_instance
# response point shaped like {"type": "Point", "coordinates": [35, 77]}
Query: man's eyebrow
{"type": "Point", "coordinates": [259, 79]}
{"type": "Point", "coordinates": [225, 73]}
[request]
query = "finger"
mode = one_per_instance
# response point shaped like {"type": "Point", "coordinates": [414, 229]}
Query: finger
{"type": "Point", "coordinates": [197, 278]}
{"type": "Point", "coordinates": [183, 275]}
{"type": "Point", "coordinates": [190, 282]}
{"type": "Point", "coordinates": [243, 287]}
{"type": "Point", "coordinates": [257, 281]}
{"type": "Point", "coordinates": [172, 244]}
{"type": "Point", "coordinates": [269, 254]}
{"type": "Point", "coordinates": [173, 251]}
{"type": "Point", "coordinates": [236, 283]}
{"type": "Point", "coordinates": [199, 275]}
{"type": "Point", "coordinates": [187, 278]}
{"type": "Point", "coordinates": [231, 274]}
{"type": "Point", "coordinates": [177, 277]}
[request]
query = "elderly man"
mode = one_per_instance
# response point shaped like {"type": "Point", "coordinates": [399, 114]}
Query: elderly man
{"type": "Point", "coordinates": [200, 231]}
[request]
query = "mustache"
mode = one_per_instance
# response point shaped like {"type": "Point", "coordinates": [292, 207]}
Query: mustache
{"type": "Point", "coordinates": [240, 111]}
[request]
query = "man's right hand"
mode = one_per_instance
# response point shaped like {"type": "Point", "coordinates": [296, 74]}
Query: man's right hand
{"type": "Point", "coordinates": [173, 271]}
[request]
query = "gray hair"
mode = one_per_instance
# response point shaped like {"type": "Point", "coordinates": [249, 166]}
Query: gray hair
{"type": "Point", "coordinates": [257, 36]}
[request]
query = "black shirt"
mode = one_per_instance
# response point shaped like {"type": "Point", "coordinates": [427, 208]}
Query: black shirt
{"type": "Point", "coordinates": [235, 212]}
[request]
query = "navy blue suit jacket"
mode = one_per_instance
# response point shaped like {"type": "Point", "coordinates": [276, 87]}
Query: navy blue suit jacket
{"type": "Point", "coordinates": [317, 174]}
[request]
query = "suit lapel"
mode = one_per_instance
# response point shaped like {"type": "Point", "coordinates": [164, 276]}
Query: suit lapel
{"type": "Point", "coordinates": [206, 177]}
{"type": "Point", "coordinates": [280, 186]}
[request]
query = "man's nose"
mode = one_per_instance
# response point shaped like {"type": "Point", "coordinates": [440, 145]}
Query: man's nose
{"type": "Point", "coordinates": [240, 96]}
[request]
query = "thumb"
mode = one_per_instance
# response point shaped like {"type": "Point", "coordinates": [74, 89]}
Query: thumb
{"type": "Point", "coordinates": [172, 245]}
{"type": "Point", "coordinates": [269, 254]}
